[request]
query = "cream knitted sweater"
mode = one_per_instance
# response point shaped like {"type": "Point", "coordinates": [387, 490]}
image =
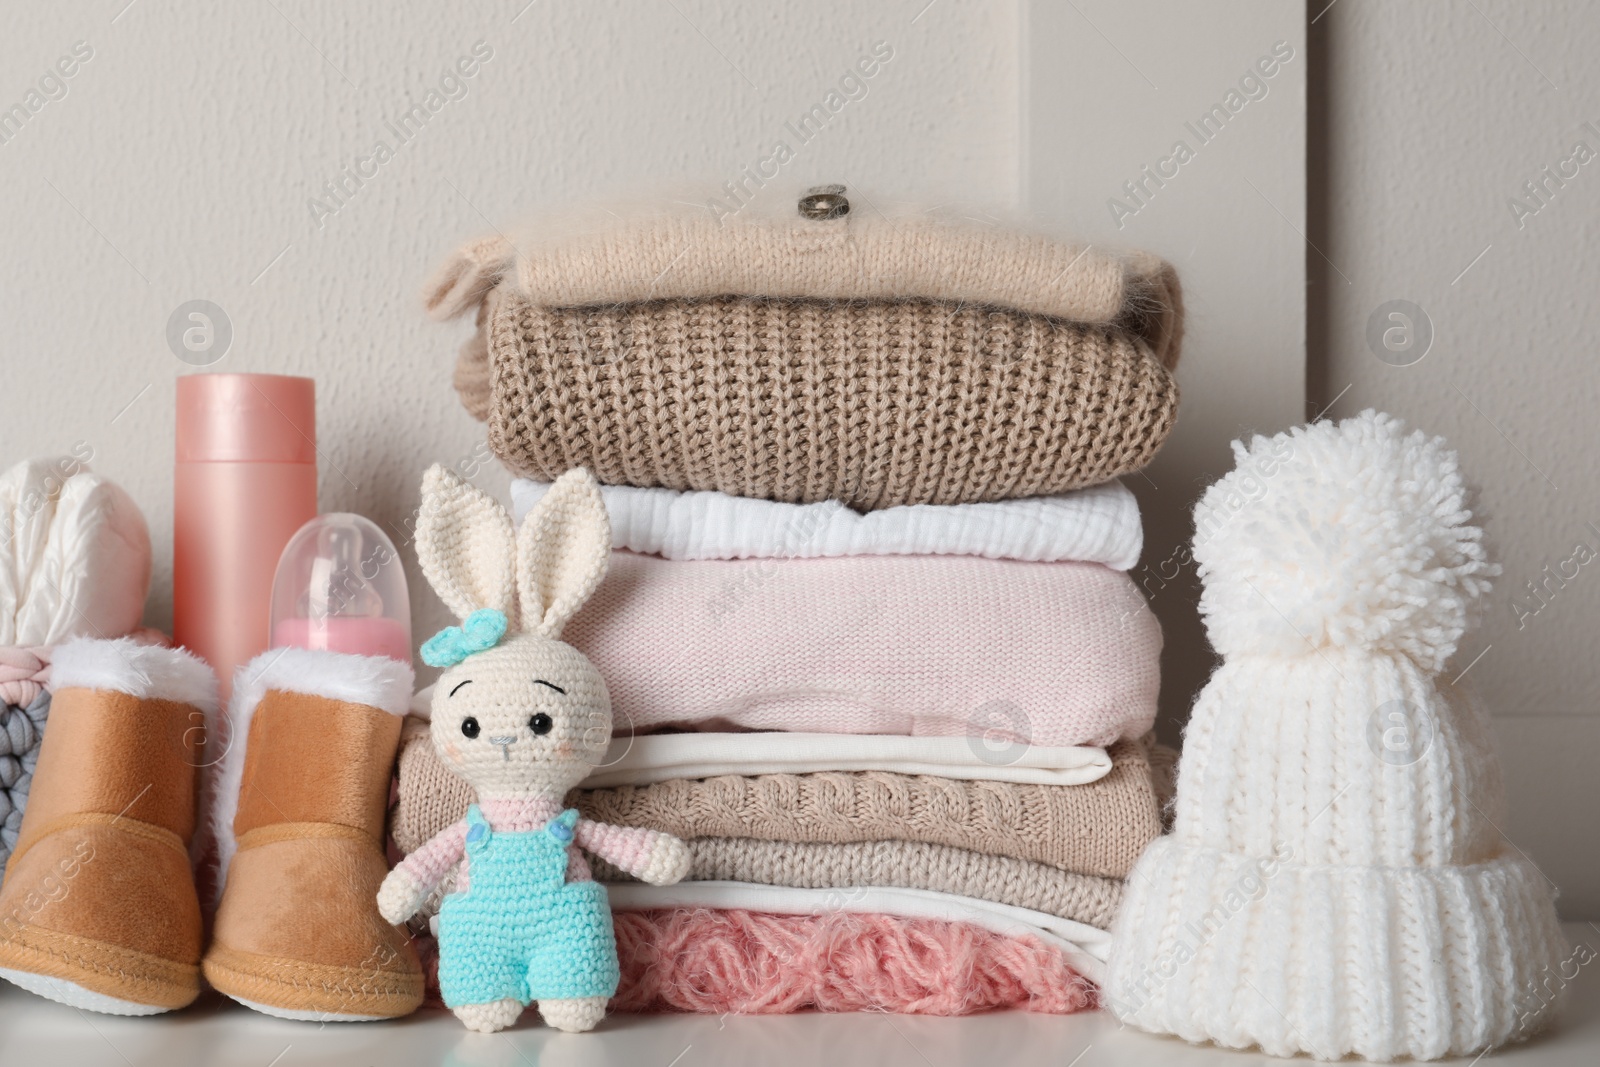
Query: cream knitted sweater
{"type": "Point", "coordinates": [617, 254]}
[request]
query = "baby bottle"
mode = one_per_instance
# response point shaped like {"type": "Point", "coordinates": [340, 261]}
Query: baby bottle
{"type": "Point", "coordinates": [340, 587]}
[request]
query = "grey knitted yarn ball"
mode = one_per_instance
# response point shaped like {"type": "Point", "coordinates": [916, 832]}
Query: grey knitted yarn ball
{"type": "Point", "coordinates": [21, 730]}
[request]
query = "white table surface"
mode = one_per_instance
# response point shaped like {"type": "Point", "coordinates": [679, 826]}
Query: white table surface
{"type": "Point", "coordinates": [216, 1033]}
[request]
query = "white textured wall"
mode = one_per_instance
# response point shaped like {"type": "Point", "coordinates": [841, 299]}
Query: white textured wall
{"type": "Point", "coordinates": [1428, 119]}
{"type": "Point", "coordinates": [180, 162]}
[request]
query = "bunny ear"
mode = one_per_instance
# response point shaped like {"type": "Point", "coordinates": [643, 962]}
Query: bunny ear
{"type": "Point", "coordinates": [562, 552]}
{"type": "Point", "coordinates": [465, 543]}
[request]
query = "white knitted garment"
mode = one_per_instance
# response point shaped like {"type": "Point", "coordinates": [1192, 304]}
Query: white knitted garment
{"type": "Point", "coordinates": [648, 758]}
{"type": "Point", "coordinates": [1095, 525]}
{"type": "Point", "coordinates": [1336, 882]}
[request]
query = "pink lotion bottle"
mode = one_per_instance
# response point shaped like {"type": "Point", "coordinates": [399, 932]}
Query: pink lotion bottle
{"type": "Point", "coordinates": [340, 587]}
{"type": "Point", "coordinates": [246, 480]}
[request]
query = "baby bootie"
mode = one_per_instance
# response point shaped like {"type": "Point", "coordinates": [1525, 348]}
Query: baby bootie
{"type": "Point", "coordinates": [99, 909]}
{"type": "Point", "coordinates": [298, 819]}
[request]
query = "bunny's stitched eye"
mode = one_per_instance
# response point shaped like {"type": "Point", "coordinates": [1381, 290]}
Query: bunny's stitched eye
{"type": "Point", "coordinates": [541, 723]}
{"type": "Point", "coordinates": [469, 727]}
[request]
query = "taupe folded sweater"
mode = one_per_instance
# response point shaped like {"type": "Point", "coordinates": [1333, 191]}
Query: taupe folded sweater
{"type": "Point", "coordinates": [871, 360]}
{"type": "Point", "coordinates": [1097, 829]}
{"type": "Point", "coordinates": [903, 865]}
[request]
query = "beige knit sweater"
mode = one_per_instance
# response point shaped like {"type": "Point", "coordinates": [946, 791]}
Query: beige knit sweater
{"type": "Point", "coordinates": [902, 865]}
{"type": "Point", "coordinates": [874, 361]}
{"type": "Point", "coordinates": [602, 256]}
{"type": "Point", "coordinates": [1097, 829]}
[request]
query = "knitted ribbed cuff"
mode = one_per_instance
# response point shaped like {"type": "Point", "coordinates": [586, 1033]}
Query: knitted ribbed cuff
{"type": "Point", "coordinates": [1388, 962]}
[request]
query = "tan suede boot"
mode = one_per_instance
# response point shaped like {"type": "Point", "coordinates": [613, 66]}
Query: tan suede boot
{"type": "Point", "coordinates": [98, 908]}
{"type": "Point", "coordinates": [299, 824]}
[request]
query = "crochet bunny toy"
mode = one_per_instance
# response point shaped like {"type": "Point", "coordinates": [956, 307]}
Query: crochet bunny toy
{"type": "Point", "coordinates": [523, 718]}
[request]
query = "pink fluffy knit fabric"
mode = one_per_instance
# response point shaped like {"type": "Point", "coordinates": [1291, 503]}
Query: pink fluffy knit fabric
{"type": "Point", "coordinates": [757, 964]}
{"type": "Point", "coordinates": [751, 963]}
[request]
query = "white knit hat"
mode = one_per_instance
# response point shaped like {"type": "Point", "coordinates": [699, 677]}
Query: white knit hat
{"type": "Point", "coordinates": [1336, 881]}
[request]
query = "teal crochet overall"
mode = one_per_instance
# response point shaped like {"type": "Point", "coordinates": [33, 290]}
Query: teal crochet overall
{"type": "Point", "coordinates": [521, 931]}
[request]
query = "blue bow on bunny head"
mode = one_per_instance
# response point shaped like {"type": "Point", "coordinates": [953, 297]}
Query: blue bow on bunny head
{"type": "Point", "coordinates": [481, 630]}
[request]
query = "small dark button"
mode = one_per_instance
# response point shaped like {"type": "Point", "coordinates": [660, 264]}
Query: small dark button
{"type": "Point", "coordinates": [824, 202]}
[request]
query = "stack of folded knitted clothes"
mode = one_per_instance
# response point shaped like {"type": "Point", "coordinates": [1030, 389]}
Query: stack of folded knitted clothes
{"type": "Point", "coordinates": [867, 632]}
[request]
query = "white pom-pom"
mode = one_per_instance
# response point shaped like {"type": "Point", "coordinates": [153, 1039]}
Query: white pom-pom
{"type": "Point", "coordinates": [1352, 536]}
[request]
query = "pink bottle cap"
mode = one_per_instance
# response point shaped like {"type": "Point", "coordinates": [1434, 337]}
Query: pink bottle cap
{"type": "Point", "coordinates": [246, 418]}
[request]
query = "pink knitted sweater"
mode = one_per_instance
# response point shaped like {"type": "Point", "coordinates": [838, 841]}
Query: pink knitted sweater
{"type": "Point", "coordinates": [1000, 651]}
{"type": "Point", "coordinates": [626, 847]}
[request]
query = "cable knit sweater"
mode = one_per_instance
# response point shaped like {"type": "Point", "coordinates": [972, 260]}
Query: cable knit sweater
{"type": "Point", "coordinates": [876, 404]}
{"type": "Point", "coordinates": [870, 360]}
